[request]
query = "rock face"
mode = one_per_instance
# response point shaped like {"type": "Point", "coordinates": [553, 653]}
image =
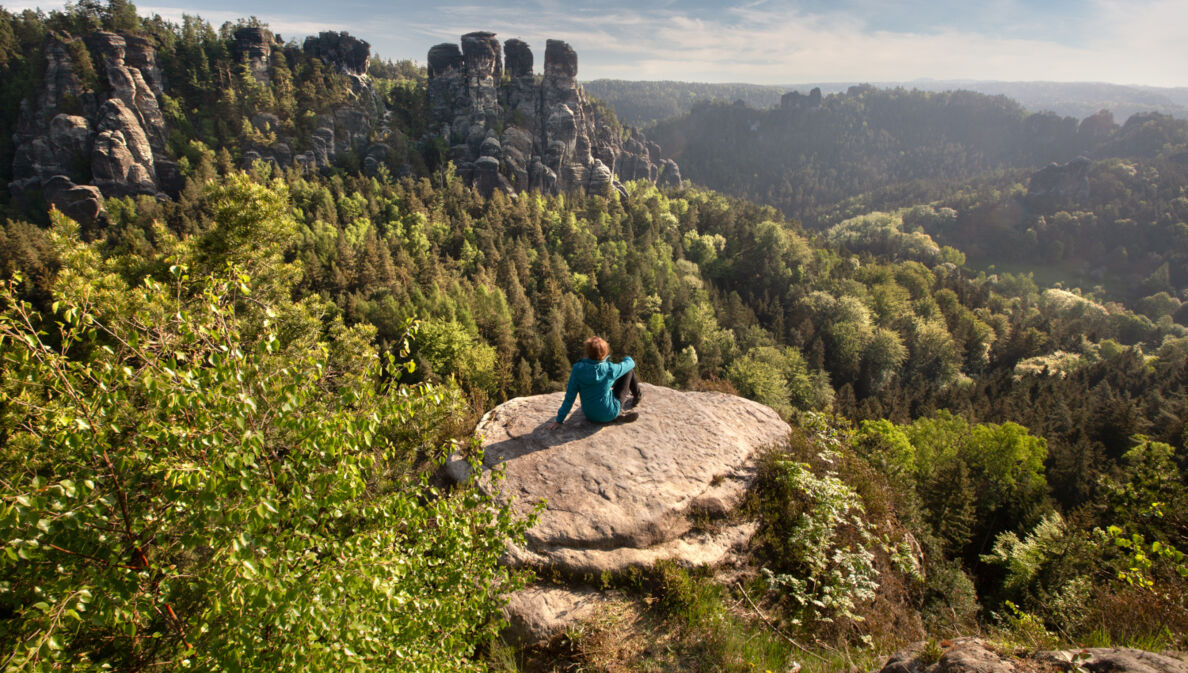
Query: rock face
{"type": "Point", "coordinates": [973, 655]}
{"type": "Point", "coordinates": [506, 131]}
{"type": "Point", "coordinates": [624, 495]}
{"type": "Point", "coordinates": [360, 125]}
{"type": "Point", "coordinates": [113, 137]}
{"type": "Point", "coordinates": [253, 46]}
{"type": "Point", "coordinates": [349, 54]}
{"type": "Point", "coordinates": [1058, 186]}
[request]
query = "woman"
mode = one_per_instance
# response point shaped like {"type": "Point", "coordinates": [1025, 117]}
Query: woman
{"type": "Point", "coordinates": [603, 386]}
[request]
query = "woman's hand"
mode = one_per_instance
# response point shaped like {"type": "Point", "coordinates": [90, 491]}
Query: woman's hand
{"type": "Point", "coordinates": [552, 425]}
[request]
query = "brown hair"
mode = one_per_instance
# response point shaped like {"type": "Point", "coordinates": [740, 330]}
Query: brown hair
{"type": "Point", "coordinates": [597, 348]}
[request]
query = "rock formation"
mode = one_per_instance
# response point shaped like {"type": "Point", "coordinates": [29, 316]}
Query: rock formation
{"type": "Point", "coordinates": [253, 46]}
{"type": "Point", "coordinates": [794, 100]}
{"type": "Point", "coordinates": [973, 655]}
{"type": "Point", "coordinates": [506, 131]}
{"type": "Point", "coordinates": [113, 136]}
{"type": "Point", "coordinates": [1058, 186]}
{"type": "Point", "coordinates": [340, 50]}
{"type": "Point", "coordinates": [361, 125]}
{"type": "Point", "coordinates": [621, 496]}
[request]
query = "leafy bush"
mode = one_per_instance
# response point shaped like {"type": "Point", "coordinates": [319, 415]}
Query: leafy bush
{"type": "Point", "coordinates": [178, 493]}
{"type": "Point", "coordinates": [820, 555]}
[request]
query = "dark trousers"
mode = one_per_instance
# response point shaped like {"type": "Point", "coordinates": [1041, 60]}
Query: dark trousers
{"type": "Point", "coordinates": [627, 383]}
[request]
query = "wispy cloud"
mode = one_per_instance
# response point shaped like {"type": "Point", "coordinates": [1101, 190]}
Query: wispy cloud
{"type": "Point", "coordinates": [288, 26]}
{"type": "Point", "coordinates": [778, 41]}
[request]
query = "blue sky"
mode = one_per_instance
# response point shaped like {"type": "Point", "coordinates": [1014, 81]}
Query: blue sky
{"type": "Point", "coordinates": [769, 41]}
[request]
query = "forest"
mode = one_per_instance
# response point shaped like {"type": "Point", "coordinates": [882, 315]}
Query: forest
{"type": "Point", "coordinates": [221, 413]}
{"type": "Point", "coordinates": [893, 143]}
{"type": "Point", "coordinates": [645, 103]}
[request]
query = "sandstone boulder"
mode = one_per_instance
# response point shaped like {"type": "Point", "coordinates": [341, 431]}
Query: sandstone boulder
{"type": "Point", "coordinates": [973, 655]}
{"type": "Point", "coordinates": [517, 58]}
{"type": "Point", "coordinates": [1116, 660]}
{"type": "Point", "coordinates": [620, 495]}
{"type": "Point", "coordinates": [81, 203]}
{"type": "Point", "coordinates": [122, 157]}
{"type": "Point", "coordinates": [670, 174]}
{"type": "Point", "coordinates": [626, 495]}
{"type": "Point", "coordinates": [342, 51]}
{"type": "Point", "coordinates": [560, 60]}
{"type": "Point", "coordinates": [537, 613]}
{"type": "Point", "coordinates": [141, 54]}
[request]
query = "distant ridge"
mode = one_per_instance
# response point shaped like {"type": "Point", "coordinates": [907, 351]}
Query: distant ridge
{"type": "Point", "coordinates": [646, 102]}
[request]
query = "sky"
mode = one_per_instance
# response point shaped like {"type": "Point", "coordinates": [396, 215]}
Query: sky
{"type": "Point", "coordinates": [766, 41]}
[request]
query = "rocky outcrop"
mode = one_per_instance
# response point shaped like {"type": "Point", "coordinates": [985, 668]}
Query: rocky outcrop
{"type": "Point", "coordinates": [974, 655]}
{"type": "Point", "coordinates": [141, 54]}
{"type": "Point", "coordinates": [112, 136]}
{"type": "Point", "coordinates": [253, 46]}
{"type": "Point", "coordinates": [360, 126]}
{"type": "Point", "coordinates": [81, 203]}
{"type": "Point", "coordinates": [509, 132]}
{"type": "Point", "coordinates": [794, 100]}
{"type": "Point", "coordinates": [622, 496]}
{"type": "Point", "coordinates": [122, 158]}
{"type": "Point", "coordinates": [342, 51]}
{"type": "Point", "coordinates": [1058, 186]}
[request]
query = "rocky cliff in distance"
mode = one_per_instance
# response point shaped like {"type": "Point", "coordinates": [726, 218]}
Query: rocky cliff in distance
{"type": "Point", "coordinates": [93, 128]}
{"type": "Point", "coordinates": [110, 133]}
{"type": "Point", "coordinates": [506, 130]}
{"type": "Point", "coordinates": [360, 125]}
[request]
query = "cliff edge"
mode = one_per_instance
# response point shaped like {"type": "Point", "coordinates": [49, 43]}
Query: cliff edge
{"type": "Point", "coordinates": [620, 495]}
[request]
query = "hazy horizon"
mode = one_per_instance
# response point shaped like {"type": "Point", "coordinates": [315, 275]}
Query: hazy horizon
{"type": "Point", "coordinates": [771, 42]}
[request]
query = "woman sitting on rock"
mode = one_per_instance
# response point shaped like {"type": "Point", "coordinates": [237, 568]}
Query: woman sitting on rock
{"type": "Point", "coordinates": [603, 386]}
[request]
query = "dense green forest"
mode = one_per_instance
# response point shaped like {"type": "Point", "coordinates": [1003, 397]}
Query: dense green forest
{"type": "Point", "coordinates": [804, 159]}
{"type": "Point", "coordinates": [1124, 238]}
{"type": "Point", "coordinates": [1074, 99]}
{"type": "Point", "coordinates": [645, 103]}
{"type": "Point", "coordinates": [221, 413]}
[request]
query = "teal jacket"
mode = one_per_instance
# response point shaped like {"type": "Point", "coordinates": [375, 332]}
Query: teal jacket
{"type": "Point", "coordinates": [593, 379]}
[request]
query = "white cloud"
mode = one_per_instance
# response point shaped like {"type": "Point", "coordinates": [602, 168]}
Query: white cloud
{"type": "Point", "coordinates": [771, 41]}
{"type": "Point", "coordinates": [288, 27]}
{"type": "Point", "coordinates": [1126, 42]}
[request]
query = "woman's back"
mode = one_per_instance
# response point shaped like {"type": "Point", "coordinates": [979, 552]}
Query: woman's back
{"type": "Point", "coordinates": [596, 380]}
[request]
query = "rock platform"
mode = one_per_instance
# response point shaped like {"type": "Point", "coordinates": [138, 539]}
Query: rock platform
{"type": "Point", "coordinates": [620, 495]}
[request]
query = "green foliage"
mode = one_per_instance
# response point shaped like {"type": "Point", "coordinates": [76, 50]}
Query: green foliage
{"type": "Point", "coordinates": [197, 496]}
{"type": "Point", "coordinates": [1023, 559]}
{"type": "Point", "coordinates": [819, 543]}
{"type": "Point", "coordinates": [830, 571]}
{"type": "Point", "coordinates": [643, 103]}
{"type": "Point", "coordinates": [893, 147]}
{"type": "Point", "coordinates": [192, 477]}
{"type": "Point", "coordinates": [780, 379]}
{"type": "Point", "coordinates": [714, 636]}
{"type": "Point", "coordinates": [1023, 629]}
{"type": "Point", "coordinates": [450, 349]}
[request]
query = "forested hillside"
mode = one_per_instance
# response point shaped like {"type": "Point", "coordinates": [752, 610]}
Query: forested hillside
{"type": "Point", "coordinates": [1119, 230]}
{"type": "Point", "coordinates": [222, 408]}
{"type": "Point", "coordinates": [645, 103]}
{"type": "Point", "coordinates": [806, 156]}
